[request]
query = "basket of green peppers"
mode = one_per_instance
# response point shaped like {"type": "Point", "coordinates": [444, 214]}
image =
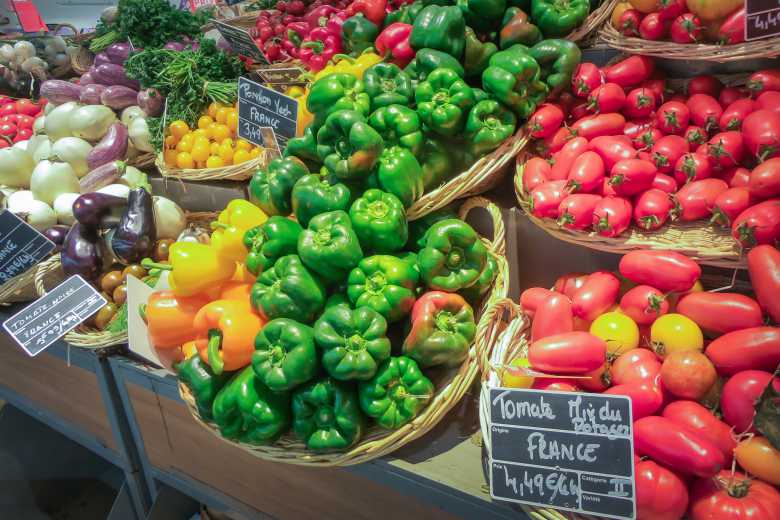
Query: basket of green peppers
{"type": "Point", "coordinates": [374, 328]}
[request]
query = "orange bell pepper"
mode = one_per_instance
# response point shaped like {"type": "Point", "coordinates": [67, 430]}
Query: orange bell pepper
{"type": "Point", "coordinates": [235, 290]}
{"type": "Point", "coordinates": [225, 334]}
{"type": "Point", "coordinates": [169, 318]}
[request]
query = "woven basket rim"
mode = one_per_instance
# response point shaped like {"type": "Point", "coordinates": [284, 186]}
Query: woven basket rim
{"type": "Point", "coordinates": [593, 22]}
{"type": "Point", "coordinates": [380, 442]}
{"type": "Point", "coordinates": [236, 172]}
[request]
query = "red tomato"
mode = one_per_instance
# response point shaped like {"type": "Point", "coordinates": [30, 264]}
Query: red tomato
{"type": "Point", "coordinates": [721, 312]}
{"type": "Point", "coordinates": [644, 304]}
{"type": "Point", "coordinates": [737, 177]}
{"type": "Point", "coordinates": [667, 271]}
{"type": "Point", "coordinates": [635, 127]}
{"type": "Point", "coordinates": [550, 145]}
{"type": "Point", "coordinates": [639, 102]}
{"type": "Point", "coordinates": [695, 135]}
{"type": "Point", "coordinates": [652, 27]}
{"type": "Point", "coordinates": [612, 216]}
{"type": "Point", "coordinates": [600, 124]}
{"type": "Point", "coordinates": [586, 174]}
{"type": "Point", "coordinates": [554, 384]}
{"type": "Point", "coordinates": [628, 23]}
{"type": "Point", "coordinates": [532, 298]}
{"type": "Point", "coordinates": [579, 110]}
{"type": "Point", "coordinates": [672, 117]}
{"type": "Point", "coordinates": [704, 84]}
{"type": "Point", "coordinates": [652, 209]}
{"type": "Point", "coordinates": [695, 200]}
{"type": "Point", "coordinates": [705, 111]}
{"type": "Point", "coordinates": [658, 87]}
{"type": "Point", "coordinates": [765, 179]}
{"type": "Point", "coordinates": [596, 296]}
{"type": "Point", "coordinates": [608, 97]}
{"type": "Point", "coordinates": [576, 211]}
{"type": "Point", "coordinates": [26, 107]}
{"type": "Point", "coordinates": [726, 149]}
{"type": "Point", "coordinates": [660, 493]}
{"type": "Point", "coordinates": [569, 353]}
{"type": "Point", "coordinates": [8, 129]}
{"type": "Point", "coordinates": [764, 80]}
{"type": "Point", "coordinates": [665, 183]}
{"type": "Point", "coordinates": [692, 167]}
{"type": "Point", "coordinates": [676, 447]}
{"type": "Point", "coordinates": [598, 380]}
{"type": "Point", "coordinates": [688, 374]}
{"type": "Point", "coordinates": [739, 396]}
{"type": "Point", "coordinates": [730, 94]}
{"type": "Point", "coordinates": [612, 149]}
{"type": "Point", "coordinates": [686, 28]}
{"type": "Point", "coordinates": [647, 139]}
{"type": "Point", "coordinates": [545, 198]}
{"type": "Point", "coordinates": [563, 160]}
{"type": "Point", "coordinates": [637, 365]}
{"type": "Point", "coordinates": [586, 78]}
{"type": "Point", "coordinates": [769, 100]}
{"type": "Point", "coordinates": [536, 171]}
{"type": "Point", "coordinates": [764, 268]}
{"type": "Point", "coordinates": [553, 316]}
{"type": "Point", "coordinates": [545, 121]}
{"type": "Point", "coordinates": [761, 131]}
{"type": "Point", "coordinates": [756, 348]}
{"type": "Point", "coordinates": [569, 283]}
{"type": "Point", "coordinates": [8, 109]}
{"type": "Point", "coordinates": [23, 134]}
{"type": "Point", "coordinates": [631, 71]}
{"type": "Point", "coordinates": [733, 497]}
{"type": "Point", "coordinates": [646, 399]}
{"type": "Point", "coordinates": [25, 122]}
{"type": "Point", "coordinates": [735, 113]}
{"type": "Point", "coordinates": [729, 204]}
{"type": "Point", "coordinates": [632, 176]}
{"type": "Point", "coordinates": [667, 151]}
{"type": "Point", "coordinates": [692, 415]}
{"type": "Point", "coordinates": [759, 224]}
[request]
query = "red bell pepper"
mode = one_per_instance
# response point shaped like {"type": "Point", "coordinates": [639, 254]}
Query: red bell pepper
{"type": "Point", "coordinates": [393, 43]}
{"type": "Point", "coordinates": [319, 47]}
{"type": "Point", "coordinates": [319, 16]}
{"type": "Point", "coordinates": [374, 10]}
{"type": "Point", "coordinates": [335, 22]}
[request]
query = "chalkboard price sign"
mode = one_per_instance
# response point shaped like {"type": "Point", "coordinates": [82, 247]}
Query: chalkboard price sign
{"type": "Point", "coordinates": [240, 41]}
{"type": "Point", "coordinates": [21, 246]}
{"type": "Point", "coordinates": [563, 450]}
{"type": "Point", "coordinates": [49, 318]}
{"type": "Point", "coordinates": [762, 19]}
{"type": "Point", "coordinates": [260, 109]}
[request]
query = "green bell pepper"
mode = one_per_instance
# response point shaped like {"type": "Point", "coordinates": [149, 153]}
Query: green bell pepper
{"type": "Point", "coordinates": [400, 173]}
{"type": "Point", "coordinates": [379, 219]}
{"type": "Point", "coordinates": [453, 256]}
{"type": "Point", "coordinates": [318, 193]}
{"type": "Point", "coordinates": [348, 146]}
{"type": "Point", "coordinates": [386, 284]}
{"type": "Point", "coordinates": [399, 126]}
{"type": "Point", "coordinates": [358, 34]}
{"type": "Point", "coordinates": [441, 28]}
{"type": "Point", "coordinates": [483, 283]}
{"type": "Point", "coordinates": [248, 411]}
{"type": "Point", "coordinates": [482, 15]}
{"type": "Point", "coordinates": [396, 394]}
{"type": "Point", "coordinates": [427, 60]}
{"type": "Point", "coordinates": [404, 14]}
{"type": "Point", "coordinates": [326, 415]}
{"type": "Point", "coordinates": [476, 55]}
{"type": "Point", "coordinates": [513, 77]}
{"type": "Point", "coordinates": [329, 246]}
{"type": "Point", "coordinates": [480, 95]}
{"type": "Point", "coordinates": [285, 355]}
{"type": "Point", "coordinates": [305, 148]}
{"type": "Point", "coordinates": [288, 290]}
{"type": "Point", "coordinates": [558, 59]}
{"type": "Point", "coordinates": [386, 84]}
{"type": "Point", "coordinates": [353, 342]}
{"type": "Point", "coordinates": [557, 18]}
{"type": "Point", "coordinates": [443, 100]}
{"type": "Point", "coordinates": [266, 243]}
{"type": "Point", "coordinates": [337, 298]}
{"type": "Point", "coordinates": [202, 382]}
{"type": "Point", "coordinates": [335, 92]}
{"type": "Point", "coordinates": [437, 161]}
{"type": "Point", "coordinates": [271, 189]}
{"type": "Point", "coordinates": [442, 330]}
{"type": "Point", "coordinates": [517, 28]}
{"type": "Point", "coordinates": [488, 125]}
{"type": "Point", "coordinates": [418, 228]}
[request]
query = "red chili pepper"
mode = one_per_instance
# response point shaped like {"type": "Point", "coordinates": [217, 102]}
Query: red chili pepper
{"type": "Point", "coordinates": [394, 41]}
{"type": "Point", "coordinates": [318, 48]}
{"type": "Point", "coordinates": [374, 10]}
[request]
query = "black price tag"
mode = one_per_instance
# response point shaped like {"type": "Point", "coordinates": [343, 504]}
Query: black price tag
{"type": "Point", "coordinates": [282, 75]}
{"type": "Point", "coordinates": [261, 109]}
{"type": "Point", "coordinates": [240, 41]}
{"type": "Point", "coordinates": [49, 318]}
{"type": "Point", "coordinates": [762, 19]}
{"type": "Point", "coordinates": [21, 246]}
{"type": "Point", "coordinates": [563, 450]}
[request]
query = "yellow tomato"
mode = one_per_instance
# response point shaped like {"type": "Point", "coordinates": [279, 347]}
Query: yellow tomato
{"type": "Point", "coordinates": [226, 154]}
{"type": "Point", "coordinates": [212, 110]}
{"type": "Point", "coordinates": [619, 331]}
{"type": "Point", "coordinates": [178, 128]}
{"type": "Point", "coordinates": [617, 12]}
{"type": "Point", "coordinates": [219, 132]}
{"type": "Point", "coordinates": [204, 122]}
{"type": "Point", "coordinates": [202, 141]}
{"type": "Point", "coordinates": [200, 165]}
{"type": "Point", "coordinates": [759, 458]}
{"type": "Point", "coordinates": [169, 156]}
{"type": "Point", "coordinates": [675, 333]}
{"type": "Point", "coordinates": [184, 160]}
{"type": "Point", "coordinates": [254, 153]}
{"type": "Point", "coordinates": [185, 143]}
{"type": "Point", "coordinates": [200, 151]}
{"type": "Point", "coordinates": [170, 141]}
{"type": "Point", "coordinates": [214, 162]}
{"type": "Point", "coordinates": [243, 144]}
{"type": "Point", "coordinates": [231, 120]}
{"type": "Point", "coordinates": [227, 142]}
{"type": "Point", "coordinates": [645, 6]}
{"type": "Point", "coordinates": [221, 116]}
{"type": "Point", "coordinates": [214, 148]}
{"type": "Point", "coordinates": [241, 156]}
{"type": "Point", "coordinates": [201, 133]}
{"type": "Point", "coordinates": [515, 378]}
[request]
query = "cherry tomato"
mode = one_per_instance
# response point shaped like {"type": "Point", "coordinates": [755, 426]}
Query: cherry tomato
{"type": "Point", "coordinates": [638, 365]}
{"type": "Point", "coordinates": [513, 378]}
{"type": "Point", "coordinates": [660, 493]}
{"type": "Point", "coordinates": [619, 331]}
{"type": "Point", "coordinates": [733, 496]}
{"type": "Point", "coordinates": [26, 107]}
{"type": "Point", "coordinates": [674, 333]}
{"type": "Point", "coordinates": [729, 204]}
{"type": "Point", "coordinates": [552, 316]}
{"type": "Point", "coordinates": [695, 135]}
{"type": "Point", "coordinates": [644, 304]}
{"type": "Point", "coordinates": [586, 78]}
{"type": "Point", "coordinates": [764, 80]}
{"type": "Point", "coordinates": [756, 348]}
{"type": "Point", "coordinates": [730, 94]}
{"type": "Point", "coordinates": [628, 23]}
{"type": "Point", "coordinates": [608, 97]}
{"type": "Point", "coordinates": [536, 172]}
{"type": "Point", "coordinates": [564, 159]}
{"type": "Point", "coordinates": [665, 183]}
{"type": "Point", "coordinates": [612, 149]}
{"type": "Point", "coordinates": [632, 176]}
{"type": "Point", "coordinates": [692, 167]}
{"type": "Point", "coordinates": [569, 353]}
{"type": "Point", "coordinates": [630, 71]}
{"type": "Point", "coordinates": [737, 177]}
{"type": "Point", "coordinates": [658, 87]}
{"type": "Point", "coordinates": [587, 173]}
{"type": "Point", "coordinates": [600, 124]}
{"type": "Point", "coordinates": [765, 179]}
{"type": "Point", "coordinates": [640, 102]}
{"type": "Point", "coordinates": [704, 84]}
{"type": "Point", "coordinates": [672, 117]}
{"type": "Point", "coordinates": [686, 28]}
{"type": "Point", "coordinates": [759, 458]}
{"type": "Point", "coordinates": [612, 216]}
{"type": "Point", "coordinates": [568, 284]}
{"type": "Point", "coordinates": [761, 131]}
{"type": "Point", "coordinates": [739, 396]}
{"type": "Point", "coordinates": [532, 298]}
{"type": "Point", "coordinates": [688, 374]}
{"type": "Point", "coordinates": [667, 151]}
{"type": "Point", "coordinates": [576, 211]}
{"type": "Point", "coordinates": [764, 268]}
{"type": "Point", "coordinates": [652, 27]}
{"type": "Point", "coordinates": [721, 312]}
{"type": "Point", "coordinates": [676, 447]}
{"type": "Point", "coordinates": [8, 129]}
{"type": "Point", "coordinates": [545, 198]}
{"type": "Point", "coordinates": [545, 121]}
{"type": "Point", "coordinates": [759, 224]}
{"type": "Point", "coordinates": [769, 100]}
{"type": "Point", "coordinates": [695, 200]}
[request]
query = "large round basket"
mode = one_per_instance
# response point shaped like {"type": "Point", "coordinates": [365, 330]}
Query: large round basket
{"type": "Point", "coordinates": [450, 386]}
{"type": "Point", "coordinates": [237, 172]}
{"type": "Point", "coordinates": [765, 48]}
{"type": "Point", "coordinates": [588, 32]}
{"type": "Point", "coordinates": [699, 240]}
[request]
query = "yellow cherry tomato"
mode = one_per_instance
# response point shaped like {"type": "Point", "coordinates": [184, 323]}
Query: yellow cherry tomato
{"type": "Point", "coordinates": [170, 141]}
{"type": "Point", "coordinates": [226, 154]}
{"type": "Point", "coordinates": [619, 331]}
{"type": "Point", "coordinates": [204, 122]}
{"type": "Point", "coordinates": [200, 151]}
{"type": "Point", "coordinates": [184, 160]}
{"type": "Point", "coordinates": [169, 156]}
{"type": "Point", "coordinates": [201, 133]}
{"type": "Point", "coordinates": [240, 156]}
{"type": "Point", "coordinates": [185, 143]}
{"type": "Point", "coordinates": [214, 148]}
{"type": "Point", "coordinates": [758, 457]}
{"type": "Point", "coordinates": [515, 378]}
{"type": "Point", "coordinates": [212, 110]}
{"type": "Point", "coordinates": [227, 141]}
{"type": "Point", "coordinates": [254, 153]}
{"type": "Point", "coordinates": [178, 128]}
{"type": "Point", "coordinates": [675, 333]}
{"type": "Point", "coordinates": [219, 132]}
{"type": "Point", "coordinates": [221, 115]}
{"type": "Point", "coordinates": [231, 120]}
{"type": "Point", "coordinates": [215, 161]}
{"type": "Point", "coordinates": [243, 144]}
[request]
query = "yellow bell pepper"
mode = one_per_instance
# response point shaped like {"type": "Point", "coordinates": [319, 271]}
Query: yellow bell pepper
{"type": "Point", "coordinates": [228, 236]}
{"type": "Point", "coordinates": [346, 64]}
{"type": "Point", "coordinates": [195, 268]}
{"type": "Point", "coordinates": [304, 116]}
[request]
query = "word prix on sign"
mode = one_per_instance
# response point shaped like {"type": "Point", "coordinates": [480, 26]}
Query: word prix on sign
{"type": "Point", "coordinates": [563, 450]}
{"type": "Point", "coordinates": [762, 19]}
{"type": "Point", "coordinates": [240, 41]}
{"type": "Point", "coordinates": [260, 107]}
{"type": "Point", "coordinates": [21, 246]}
{"type": "Point", "coordinates": [49, 318]}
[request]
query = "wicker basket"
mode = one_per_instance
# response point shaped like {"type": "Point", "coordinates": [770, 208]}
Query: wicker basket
{"type": "Point", "coordinates": [22, 288]}
{"type": "Point", "coordinates": [238, 172]}
{"type": "Point", "coordinates": [587, 32]}
{"type": "Point", "coordinates": [765, 48]}
{"type": "Point", "coordinates": [450, 388]}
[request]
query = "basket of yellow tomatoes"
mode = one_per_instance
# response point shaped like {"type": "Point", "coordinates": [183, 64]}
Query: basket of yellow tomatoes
{"type": "Point", "coordinates": [212, 150]}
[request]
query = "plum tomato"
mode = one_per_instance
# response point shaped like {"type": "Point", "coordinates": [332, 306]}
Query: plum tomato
{"type": "Point", "coordinates": [739, 396]}
{"type": "Point", "coordinates": [636, 365]}
{"type": "Point", "coordinates": [644, 304]}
